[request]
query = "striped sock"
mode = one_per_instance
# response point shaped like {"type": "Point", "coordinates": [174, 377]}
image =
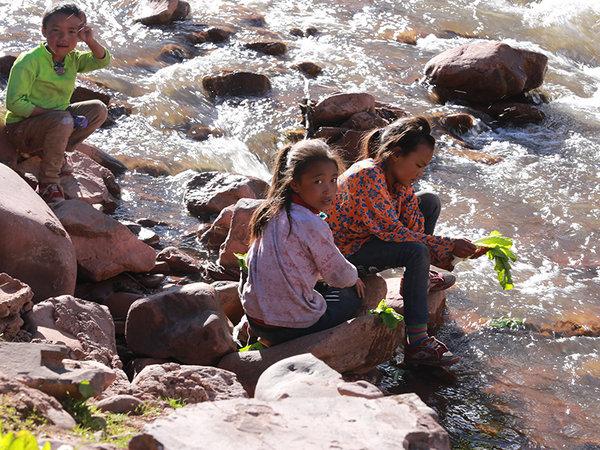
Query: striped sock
{"type": "Point", "coordinates": [416, 334]}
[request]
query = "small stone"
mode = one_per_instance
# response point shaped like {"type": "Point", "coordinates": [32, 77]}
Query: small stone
{"type": "Point", "coordinates": [311, 31]}
{"type": "Point", "coordinates": [309, 68]}
{"type": "Point", "coordinates": [199, 132]}
{"type": "Point", "coordinates": [120, 404]}
{"type": "Point", "coordinates": [219, 34]}
{"type": "Point", "coordinates": [296, 32]}
{"type": "Point", "coordinates": [268, 48]}
{"type": "Point", "coordinates": [237, 84]}
{"type": "Point", "coordinates": [174, 53]}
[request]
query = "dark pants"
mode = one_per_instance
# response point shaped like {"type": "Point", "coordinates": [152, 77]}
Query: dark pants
{"type": "Point", "coordinates": [377, 255]}
{"type": "Point", "coordinates": [342, 305]}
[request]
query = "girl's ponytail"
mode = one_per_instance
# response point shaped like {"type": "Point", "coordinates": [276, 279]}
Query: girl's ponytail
{"type": "Point", "coordinates": [370, 143]}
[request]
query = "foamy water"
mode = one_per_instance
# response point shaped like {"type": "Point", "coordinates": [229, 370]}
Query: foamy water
{"type": "Point", "coordinates": [532, 389]}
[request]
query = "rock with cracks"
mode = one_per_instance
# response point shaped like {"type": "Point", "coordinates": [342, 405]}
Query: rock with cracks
{"type": "Point", "coordinates": [15, 300]}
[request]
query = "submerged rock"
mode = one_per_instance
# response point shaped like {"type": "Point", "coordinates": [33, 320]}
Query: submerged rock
{"type": "Point", "coordinates": [485, 71]}
{"type": "Point", "coordinates": [268, 48]}
{"type": "Point", "coordinates": [515, 113]}
{"type": "Point", "coordinates": [15, 300]}
{"type": "Point", "coordinates": [178, 261]}
{"type": "Point", "coordinates": [237, 84]}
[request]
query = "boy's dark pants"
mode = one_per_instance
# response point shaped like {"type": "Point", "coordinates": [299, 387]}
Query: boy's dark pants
{"type": "Point", "coordinates": [53, 133]}
{"type": "Point", "coordinates": [377, 255]}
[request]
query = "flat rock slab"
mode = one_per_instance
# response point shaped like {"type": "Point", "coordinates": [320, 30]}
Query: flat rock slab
{"type": "Point", "coordinates": [400, 421]}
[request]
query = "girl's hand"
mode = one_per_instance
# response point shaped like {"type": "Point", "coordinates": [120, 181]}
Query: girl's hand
{"type": "Point", "coordinates": [463, 248]}
{"type": "Point", "coordinates": [479, 252]}
{"type": "Point", "coordinates": [360, 288]}
{"type": "Point", "coordinates": [86, 34]}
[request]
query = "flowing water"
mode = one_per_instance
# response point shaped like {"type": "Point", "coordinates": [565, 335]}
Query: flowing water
{"type": "Point", "coordinates": [514, 388]}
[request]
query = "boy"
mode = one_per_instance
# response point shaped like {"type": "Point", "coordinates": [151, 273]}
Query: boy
{"type": "Point", "coordinates": [40, 85]}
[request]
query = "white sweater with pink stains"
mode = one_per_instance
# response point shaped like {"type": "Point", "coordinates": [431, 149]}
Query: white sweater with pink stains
{"type": "Point", "coordinates": [284, 266]}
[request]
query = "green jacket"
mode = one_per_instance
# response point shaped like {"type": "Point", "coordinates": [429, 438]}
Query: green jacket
{"type": "Point", "coordinates": [34, 82]}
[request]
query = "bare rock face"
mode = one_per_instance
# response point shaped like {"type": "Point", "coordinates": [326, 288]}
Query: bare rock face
{"type": "Point", "coordinates": [102, 158]}
{"type": "Point", "coordinates": [229, 298]}
{"type": "Point", "coordinates": [178, 261]}
{"type": "Point", "coordinates": [161, 12]}
{"type": "Point", "coordinates": [34, 246]}
{"type": "Point", "coordinates": [399, 421]}
{"type": "Point", "coordinates": [268, 48]}
{"type": "Point", "coordinates": [104, 246]}
{"type": "Point", "coordinates": [338, 108]}
{"type": "Point", "coordinates": [237, 84]}
{"type": "Point", "coordinates": [217, 232]}
{"type": "Point", "coordinates": [184, 323]}
{"type": "Point", "coordinates": [483, 72]}
{"type": "Point", "coordinates": [193, 384]}
{"type": "Point", "coordinates": [354, 346]}
{"type": "Point", "coordinates": [27, 400]}
{"type": "Point", "coordinates": [306, 376]}
{"type": "Point", "coordinates": [238, 238]}
{"type": "Point", "coordinates": [85, 327]}
{"type": "Point", "coordinates": [208, 193]}
{"type": "Point", "coordinates": [8, 153]}
{"type": "Point", "coordinates": [15, 300]}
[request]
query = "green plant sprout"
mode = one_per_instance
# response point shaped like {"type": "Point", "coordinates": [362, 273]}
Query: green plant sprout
{"type": "Point", "coordinates": [390, 318]}
{"type": "Point", "coordinates": [510, 323]}
{"type": "Point", "coordinates": [242, 259]}
{"type": "Point", "coordinates": [22, 440]}
{"type": "Point", "coordinates": [500, 252]}
{"type": "Point", "coordinates": [256, 346]}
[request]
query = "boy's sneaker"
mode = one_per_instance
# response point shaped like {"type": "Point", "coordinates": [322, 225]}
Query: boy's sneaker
{"type": "Point", "coordinates": [51, 193]}
{"type": "Point", "coordinates": [429, 352]}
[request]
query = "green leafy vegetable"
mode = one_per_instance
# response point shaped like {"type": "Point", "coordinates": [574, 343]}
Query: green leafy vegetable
{"type": "Point", "coordinates": [23, 440]}
{"type": "Point", "coordinates": [500, 252]}
{"type": "Point", "coordinates": [255, 346]}
{"type": "Point", "coordinates": [390, 318]}
{"type": "Point", "coordinates": [507, 322]}
{"type": "Point", "coordinates": [85, 389]}
{"type": "Point", "coordinates": [242, 259]}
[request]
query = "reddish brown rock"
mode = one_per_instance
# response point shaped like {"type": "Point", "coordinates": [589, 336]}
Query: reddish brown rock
{"type": "Point", "coordinates": [120, 404]}
{"type": "Point", "coordinates": [345, 142]}
{"type": "Point", "coordinates": [217, 232]}
{"type": "Point", "coordinates": [515, 113]}
{"type": "Point", "coordinates": [192, 384]}
{"type": "Point", "coordinates": [268, 48]}
{"type": "Point", "coordinates": [15, 300]}
{"type": "Point", "coordinates": [485, 71]}
{"type": "Point", "coordinates": [41, 252]}
{"type": "Point", "coordinates": [178, 261]}
{"type": "Point", "coordinates": [85, 93]}
{"type": "Point", "coordinates": [104, 246]}
{"type": "Point", "coordinates": [364, 121]}
{"type": "Point", "coordinates": [199, 132]}
{"type": "Point", "coordinates": [119, 303]}
{"type": "Point", "coordinates": [238, 238]}
{"type": "Point", "coordinates": [184, 323]}
{"type": "Point", "coordinates": [174, 53]}
{"type": "Point", "coordinates": [459, 123]}
{"type": "Point", "coordinates": [237, 84]}
{"type": "Point", "coordinates": [6, 63]}
{"type": "Point", "coordinates": [209, 192]}
{"type": "Point", "coordinates": [155, 12]}
{"type": "Point", "coordinates": [102, 158]}
{"type": "Point", "coordinates": [229, 298]}
{"type": "Point", "coordinates": [338, 108]}
{"type": "Point", "coordinates": [296, 32]}
{"type": "Point", "coordinates": [309, 68]}
{"type": "Point", "coordinates": [182, 11]}
{"type": "Point", "coordinates": [8, 153]}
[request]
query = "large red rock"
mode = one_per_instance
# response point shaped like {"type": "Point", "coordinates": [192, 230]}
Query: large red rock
{"type": "Point", "coordinates": [104, 246]}
{"type": "Point", "coordinates": [34, 246]}
{"type": "Point", "coordinates": [238, 238]}
{"type": "Point", "coordinates": [8, 154]}
{"type": "Point", "coordinates": [229, 297]}
{"type": "Point", "coordinates": [237, 84]}
{"type": "Point", "coordinates": [15, 300]}
{"type": "Point", "coordinates": [183, 323]}
{"type": "Point", "coordinates": [217, 232]}
{"type": "Point", "coordinates": [208, 193]}
{"type": "Point", "coordinates": [156, 12]}
{"type": "Point", "coordinates": [338, 108]}
{"type": "Point", "coordinates": [485, 72]}
{"type": "Point", "coordinates": [102, 158]}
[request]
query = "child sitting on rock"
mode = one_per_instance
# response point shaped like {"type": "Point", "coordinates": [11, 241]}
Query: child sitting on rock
{"type": "Point", "coordinates": [293, 248]}
{"type": "Point", "coordinates": [40, 85]}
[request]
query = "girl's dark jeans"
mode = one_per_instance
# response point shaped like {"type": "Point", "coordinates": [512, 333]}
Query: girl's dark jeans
{"type": "Point", "coordinates": [342, 305]}
{"type": "Point", "coordinates": [377, 255]}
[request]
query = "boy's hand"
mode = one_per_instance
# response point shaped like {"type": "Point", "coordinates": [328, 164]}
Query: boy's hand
{"type": "Point", "coordinates": [86, 34]}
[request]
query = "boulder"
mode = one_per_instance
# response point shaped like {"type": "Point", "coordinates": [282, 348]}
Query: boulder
{"type": "Point", "coordinates": [209, 192]}
{"type": "Point", "coordinates": [85, 327]}
{"type": "Point", "coordinates": [192, 384]}
{"type": "Point", "coordinates": [268, 48]}
{"type": "Point", "coordinates": [308, 68]}
{"type": "Point", "coordinates": [120, 404]}
{"type": "Point", "coordinates": [8, 153]}
{"type": "Point", "coordinates": [155, 12]}
{"type": "Point", "coordinates": [6, 63]}
{"type": "Point", "coordinates": [238, 237]}
{"type": "Point", "coordinates": [28, 401]}
{"type": "Point", "coordinates": [457, 124]}
{"type": "Point", "coordinates": [338, 108]}
{"type": "Point", "coordinates": [102, 158]}
{"type": "Point", "coordinates": [236, 84]}
{"type": "Point", "coordinates": [104, 246]}
{"type": "Point", "coordinates": [184, 323]}
{"type": "Point", "coordinates": [178, 261]}
{"type": "Point", "coordinates": [345, 142]}
{"type": "Point", "coordinates": [483, 72]}
{"type": "Point", "coordinates": [436, 303]}
{"type": "Point", "coordinates": [229, 298]}
{"type": "Point", "coordinates": [34, 246]}
{"type": "Point", "coordinates": [399, 421]}
{"type": "Point", "coordinates": [513, 113]}
{"type": "Point", "coordinates": [15, 300]}
{"type": "Point", "coordinates": [217, 232]}
{"type": "Point", "coordinates": [364, 121]}
{"type": "Point", "coordinates": [353, 346]}
{"type": "Point", "coordinates": [307, 376]}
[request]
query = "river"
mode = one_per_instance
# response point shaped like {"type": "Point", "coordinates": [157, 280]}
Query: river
{"type": "Point", "coordinates": [513, 388]}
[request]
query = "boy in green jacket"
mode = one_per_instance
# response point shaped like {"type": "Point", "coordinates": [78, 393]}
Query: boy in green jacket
{"type": "Point", "coordinates": [40, 85]}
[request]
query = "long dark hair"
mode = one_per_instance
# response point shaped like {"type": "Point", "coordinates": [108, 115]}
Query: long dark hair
{"type": "Point", "coordinates": [290, 163]}
{"type": "Point", "coordinates": [399, 138]}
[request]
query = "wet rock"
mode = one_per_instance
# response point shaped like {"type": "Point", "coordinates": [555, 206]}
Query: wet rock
{"type": "Point", "coordinates": [364, 121]}
{"type": "Point", "coordinates": [178, 261]}
{"type": "Point", "coordinates": [459, 123]}
{"type": "Point", "coordinates": [27, 400]}
{"type": "Point", "coordinates": [309, 377]}
{"type": "Point", "coordinates": [104, 246]}
{"type": "Point", "coordinates": [201, 132]}
{"type": "Point", "coordinates": [574, 324]}
{"type": "Point", "coordinates": [85, 327]}
{"type": "Point", "coordinates": [86, 93]}
{"type": "Point", "coordinates": [345, 142]}
{"type": "Point", "coordinates": [217, 232]}
{"type": "Point", "coordinates": [268, 48]}
{"type": "Point", "coordinates": [399, 421]}
{"type": "Point", "coordinates": [309, 68]}
{"type": "Point", "coordinates": [6, 63]}
{"type": "Point", "coordinates": [15, 300]}
{"type": "Point", "coordinates": [184, 323]}
{"type": "Point", "coordinates": [148, 237]}
{"type": "Point", "coordinates": [237, 84]}
{"type": "Point", "coordinates": [515, 113]}
{"type": "Point", "coordinates": [120, 404]}
{"type": "Point", "coordinates": [311, 31]}
{"type": "Point", "coordinates": [389, 112]}
{"type": "Point", "coordinates": [229, 298]}
{"type": "Point", "coordinates": [209, 192]}
{"type": "Point", "coordinates": [254, 20]}
{"type": "Point", "coordinates": [238, 237]}
{"type": "Point", "coordinates": [41, 252]}
{"type": "Point", "coordinates": [182, 11]}
{"type": "Point", "coordinates": [102, 158]}
{"type": "Point", "coordinates": [174, 53]}
{"type": "Point", "coordinates": [485, 72]}
{"type": "Point", "coordinates": [216, 35]}
{"type": "Point", "coordinates": [340, 107]}
{"type": "Point", "coordinates": [475, 155]}
{"type": "Point", "coordinates": [407, 37]}
{"type": "Point", "coordinates": [296, 32]}
{"type": "Point", "coordinates": [156, 12]}
{"type": "Point", "coordinates": [150, 223]}
{"type": "Point", "coordinates": [192, 384]}
{"type": "Point", "coordinates": [354, 346]}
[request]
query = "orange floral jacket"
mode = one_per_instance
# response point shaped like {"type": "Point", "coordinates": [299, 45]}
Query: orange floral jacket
{"type": "Point", "coordinates": [365, 208]}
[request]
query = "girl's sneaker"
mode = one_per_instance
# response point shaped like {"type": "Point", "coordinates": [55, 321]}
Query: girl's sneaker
{"type": "Point", "coordinates": [429, 352]}
{"type": "Point", "coordinates": [51, 193]}
{"type": "Point", "coordinates": [440, 281]}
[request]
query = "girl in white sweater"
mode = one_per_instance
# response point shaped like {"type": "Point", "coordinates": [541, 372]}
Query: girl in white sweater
{"type": "Point", "coordinates": [293, 248]}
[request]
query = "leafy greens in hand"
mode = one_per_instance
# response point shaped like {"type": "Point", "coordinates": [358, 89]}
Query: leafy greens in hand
{"type": "Point", "coordinates": [500, 252]}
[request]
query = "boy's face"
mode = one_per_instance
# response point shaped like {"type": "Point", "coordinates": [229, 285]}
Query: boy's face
{"type": "Point", "coordinates": [61, 33]}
